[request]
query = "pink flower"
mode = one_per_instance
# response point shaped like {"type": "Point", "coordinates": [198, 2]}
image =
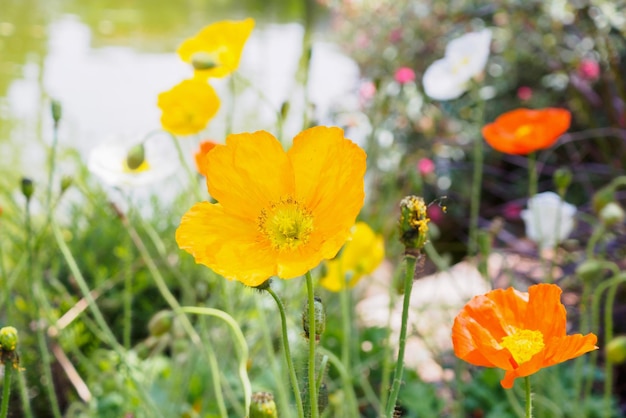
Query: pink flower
{"type": "Point", "coordinates": [367, 90]}
{"type": "Point", "coordinates": [524, 93]}
{"type": "Point", "coordinates": [511, 211]}
{"type": "Point", "coordinates": [435, 213]}
{"type": "Point", "coordinates": [395, 35]}
{"type": "Point", "coordinates": [589, 69]}
{"type": "Point", "coordinates": [425, 166]}
{"type": "Point", "coordinates": [404, 75]}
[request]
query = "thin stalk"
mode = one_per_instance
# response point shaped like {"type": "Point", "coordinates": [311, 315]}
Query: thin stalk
{"type": "Point", "coordinates": [287, 352]}
{"type": "Point", "coordinates": [411, 262]}
{"type": "Point", "coordinates": [346, 381]}
{"type": "Point", "coordinates": [346, 325]}
{"type": "Point", "coordinates": [6, 389]}
{"type": "Point", "coordinates": [312, 343]}
{"type": "Point", "coordinates": [193, 180]}
{"type": "Point", "coordinates": [52, 166]}
{"type": "Point", "coordinates": [28, 412]}
{"type": "Point", "coordinates": [529, 399]}
{"type": "Point", "coordinates": [128, 305]}
{"type": "Point", "coordinates": [533, 176]}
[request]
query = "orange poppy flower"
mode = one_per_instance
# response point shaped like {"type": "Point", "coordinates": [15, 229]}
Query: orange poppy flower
{"type": "Point", "coordinates": [205, 146]}
{"type": "Point", "coordinates": [279, 213]}
{"type": "Point", "coordinates": [517, 331]}
{"type": "Point", "coordinates": [523, 131]}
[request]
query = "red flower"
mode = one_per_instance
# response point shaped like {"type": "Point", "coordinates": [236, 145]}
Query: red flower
{"type": "Point", "coordinates": [523, 131]}
{"type": "Point", "coordinates": [516, 331]}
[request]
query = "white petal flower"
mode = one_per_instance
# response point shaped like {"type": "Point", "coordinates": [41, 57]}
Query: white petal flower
{"type": "Point", "coordinates": [548, 219]}
{"type": "Point", "coordinates": [108, 161]}
{"type": "Point", "coordinates": [465, 58]}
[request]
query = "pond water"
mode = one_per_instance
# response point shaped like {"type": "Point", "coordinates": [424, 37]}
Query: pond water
{"type": "Point", "coordinates": [106, 61]}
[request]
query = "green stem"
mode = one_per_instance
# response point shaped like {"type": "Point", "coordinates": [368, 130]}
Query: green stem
{"type": "Point", "coordinates": [533, 176]}
{"type": "Point", "coordinates": [6, 389]}
{"type": "Point", "coordinates": [411, 262]}
{"type": "Point", "coordinates": [346, 325]}
{"type": "Point", "coordinates": [287, 352]}
{"type": "Point", "coordinates": [529, 400]}
{"type": "Point", "coordinates": [312, 343]}
{"type": "Point", "coordinates": [346, 381]}
{"type": "Point", "coordinates": [51, 166]}
{"type": "Point", "coordinates": [26, 408]}
{"type": "Point", "coordinates": [128, 305]}
{"type": "Point", "coordinates": [240, 343]}
{"type": "Point", "coordinates": [477, 180]}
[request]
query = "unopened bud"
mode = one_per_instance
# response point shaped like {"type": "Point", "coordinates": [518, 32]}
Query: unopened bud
{"type": "Point", "coordinates": [589, 270]}
{"type": "Point", "coordinates": [603, 197]}
{"type": "Point", "coordinates": [203, 60]}
{"type": "Point", "coordinates": [27, 187]}
{"type": "Point", "coordinates": [616, 350]}
{"type": "Point", "coordinates": [66, 182]}
{"type": "Point", "coordinates": [413, 224]}
{"type": "Point", "coordinates": [8, 339]}
{"type": "Point", "coordinates": [612, 214]}
{"type": "Point", "coordinates": [160, 323]}
{"type": "Point", "coordinates": [320, 318]}
{"type": "Point", "coordinates": [263, 405]}
{"type": "Point", "coordinates": [562, 178]}
{"type": "Point", "coordinates": [284, 109]}
{"type": "Point", "coordinates": [56, 110]}
{"type": "Point", "coordinates": [136, 156]}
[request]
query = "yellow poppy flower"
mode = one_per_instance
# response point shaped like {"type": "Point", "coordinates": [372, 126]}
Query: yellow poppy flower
{"type": "Point", "coordinates": [215, 50]}
{"type": "Point", "coordinates": [360, 256]}
{"type": "Point", "coordinates": [188, 107]}
{"type": "Point", "coordinates": [278, 213]}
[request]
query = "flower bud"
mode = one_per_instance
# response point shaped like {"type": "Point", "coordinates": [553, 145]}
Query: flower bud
{"type": "Point", "coordinates": [27, 187]}
{"type": "Point", "coordinates": [602, 197]}
{"type": "Point", "coordinates": [611, 214]}
{"type": "Point", "coordinates": [589, 270]}
{"type": "Point", "coordinates": [8, 339]}
{"type": "Point", "coordinates": [284, 109]}
{"type": "Point", "coordinates": [263, 405]}
{"type": "Point", "coordinates": [56, 110]}
{"type": "Point", "coordinates": [413, 224]}
{"type": "Point", "coordinates": [66, 182]}
{"type": "Point", "coordinates": [320, 318]}
{"type": "Point", "coordinates": [616, 350]}
{"type": "Point", "coordinates": [203, 61]}
{"type": "Point", "coordinates": [160, 323]}
{"type": "Point", "coordinates": [136, 156]}
{"type": "Point", "coordinates": [562, 178]}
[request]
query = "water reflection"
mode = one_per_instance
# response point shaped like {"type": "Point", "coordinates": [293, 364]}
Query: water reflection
{"type": "Point", "coordinates": [107, 65]}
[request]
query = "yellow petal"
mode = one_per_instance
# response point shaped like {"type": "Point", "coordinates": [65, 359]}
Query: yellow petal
{"type": "Point", "coordinates": [335, 278]}
{"type": "Point", "coordinates": [188, 107]}
{"type": "Point", "coordinates": [225, 243]}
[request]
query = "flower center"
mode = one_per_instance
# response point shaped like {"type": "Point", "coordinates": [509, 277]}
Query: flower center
{"type": "Point", "coordinates": [523, 131]}
{"type": "Point", "coordinates": [144, 166]}
{"type": "Point", "coordinates": [524, 344]}
{"type": "Point", "coordinates": [286, 223]}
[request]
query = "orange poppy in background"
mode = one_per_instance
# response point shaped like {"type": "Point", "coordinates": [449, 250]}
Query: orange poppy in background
{"type": "Point", "coordinates": [523, 131]}
{"type": "Point", "coordinates": [205, 146]}
{"type": "Point", "coordinates": [517, 331]}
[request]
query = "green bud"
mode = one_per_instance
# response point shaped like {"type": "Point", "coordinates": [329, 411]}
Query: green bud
{"type": "Point", "coordinates": [203, 60]}
{"type": "Point", "coordinates": [27, 188]}
{"type": "Point", "coordinates": [284, 109]}
{"type": "Point", "coordinates": [57, 111]}
{"type": "Point", "coordinates": [612, 214]}
{"type": "Point", "coordinates": [320, 318]}
{"type": "Point", "coordinates": [616, 350]}
{"type": "Point", "coordinates": [589, 270]}
{"type": "Point", "coordinates": [136, 156]}
{"type": "Point", "coordinates": [8, 339]}
{"type": "Point", "coordinates": [263, 405]}
{"type": "Point", "coordinates": [160, 323]}
{"type": "Point", "coordinates": [66, 182]}
{"type": "Point", "coordinates": [562, 178]}
{"type": "Point", "coordinates": [602, 198]}
{"type": "Point", "coordinates": [322, 398]}
{"type": "Point", "coordinates": [413, 224]}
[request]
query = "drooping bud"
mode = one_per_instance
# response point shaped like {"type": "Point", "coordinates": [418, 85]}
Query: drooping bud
{"type": "Point", "coordinates": [413, 224]}
{"type": "Point", "coordinates": [66, 182]}
{"type": "Point", "coordinates": [284, 109]}
{"type": "Point", "coordinates": [27, 187]}
{"type": "Point", "coordinates": [8, 339]}
{"type": "Point", "coordinates": [136, 156]}
{"type": "Point", "coordinates": [160, 323]}
{"type": "Point", "coordinates": [320, 318]}
{"type": "Point", "coordinates": [562, 178]}
{"type": "Point", "coordinates": [616, 350]}
{"type": "Point", "coordinates": [203, 60]}
{"type": "Point", "coordinates": [603, 197]}
{"type": "Point", "coordinates": [56, 110]}
{"type": "Point", "coordinates": [263, 405]}
{"type": "Point", "coordinates": [263, 286]}
{"type": "Point", "coordinates": [590, 270]}
{"type": "Point", "coordinates": [612, 214]}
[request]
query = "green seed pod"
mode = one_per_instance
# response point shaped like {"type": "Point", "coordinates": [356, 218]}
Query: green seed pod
{"type": "Point", "coordinates": [57, 111]}
{"type": "Point", "coordinates": [27, 188]}
{"type": "Point", "coordinates": [602, 197]}
{"type": "Point", "coordinates": [160, 323]}
{"type": "Point", "coordinates": [263, 405]}
{"type": "Point", "coordinates": [320, 318]}
{"type": "Point", "coordinates": [611, 214]}
{"type": "Point", "coordinates": [8, 339]}
{"type": "Point", "coordinates": [589, 270]}
{"type": "Point", "coordinates": [136, 156]}
{"type": "Point", "coordinates": [616, 350]}
{"type": "Point", "coordinates": [562, 178]}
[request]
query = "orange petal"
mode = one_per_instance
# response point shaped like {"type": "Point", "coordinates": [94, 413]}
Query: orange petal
{"type": "Point", "coordinates": [225, 243]}
{"type": "Point", "coordinates": [545, 311]}
{"type": "Point", "coordinates": [249, 173]}
{"type": "Point", "coordinates": [329, 172]}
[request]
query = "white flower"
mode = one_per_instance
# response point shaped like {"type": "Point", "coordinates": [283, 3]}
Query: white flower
{"type": "Point", "coordinates": [465, 58]}
{"type": "Point", "coordinates": [549, 220]}
{"type": "Point", "coordinates": [108, 161]}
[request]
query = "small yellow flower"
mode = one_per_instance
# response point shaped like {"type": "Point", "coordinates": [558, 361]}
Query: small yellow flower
{"type": "Point", "coordinates": [360, 256]}
{"type": "Point", "coordinates": [188, 107]}
{"type": "Point", "coordinates": [215, 51]}
{"type": "Point", "coordinates": [279, 213]}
